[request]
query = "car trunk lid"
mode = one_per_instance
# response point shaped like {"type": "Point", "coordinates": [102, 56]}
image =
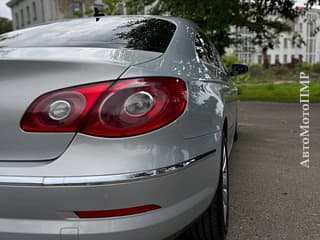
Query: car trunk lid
{"type": "Point", "coordinates": [27, 73]}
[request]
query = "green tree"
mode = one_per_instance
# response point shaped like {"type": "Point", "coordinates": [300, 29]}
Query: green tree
{"type": "Point", "coordinates": [137, 6]}
{"type": "Point", "coordinates": [265, 18]}
{"type": "Point", "coordinates": [112, 7]}
{"type": "Point", "coordinates": [310, 3]}
{"type": "Point", "coordinates": [5, 25]}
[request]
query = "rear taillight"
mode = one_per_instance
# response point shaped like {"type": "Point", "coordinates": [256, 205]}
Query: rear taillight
{"type": "Point", "coordinates": [62, 111]}
{"type": "Point", "coordinates": [127, 108]}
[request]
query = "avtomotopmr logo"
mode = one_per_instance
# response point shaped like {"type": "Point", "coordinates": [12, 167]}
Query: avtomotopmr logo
{"type": "Point", "coordinates": [305, 122]}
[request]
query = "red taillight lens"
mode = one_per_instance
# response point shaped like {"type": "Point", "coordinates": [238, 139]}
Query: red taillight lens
{"type": "Point", "coordinates": [117, 212]}
{"type": "Point", "coordinates": [39, 116]}
{"type": "Point", "coordinates": [158, 101]}
{"type": "Point", "coordinates": [130, 107]}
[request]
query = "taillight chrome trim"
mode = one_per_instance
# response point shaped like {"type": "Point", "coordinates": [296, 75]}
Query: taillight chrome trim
{"type": "Point", "coordinates": [102, 179]}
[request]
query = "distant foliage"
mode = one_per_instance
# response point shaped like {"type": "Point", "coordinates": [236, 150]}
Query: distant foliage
{"type": "Point", "coordinates": [5, 25]}
{"type": "Point", "coordinates": [229, 60]}
{"type": "Point", "coordinates": [112, 7]}
{"type": "Point", "coordinates": [304, 67]}
{"type": "Point", "coordinates": [256, 70]}
{"type": "Point", "coordinates": [316, 68]}
{"type": "Point", "coordinates": [243, 78]}
{"type": "Point", "coordinates": [258, 74]}
{"type": "Point", "coordinates": [279, 70]}
{"type": "Point", "coordinates": [310, 3]}
{"type": "Point", "coordinates": [217, 17]}
{"type": "Point", "coordinates": [137, 6]}
{"type": "Point", "coordinates": [78, 14]}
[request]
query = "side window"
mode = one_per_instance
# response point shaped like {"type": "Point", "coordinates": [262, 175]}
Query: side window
{"type": "Point", "coordinates": [199, 45]}
{"type": "Point", "coordinates": [204, 47]}
{"type": "Point", "coordinates": [219, 59]}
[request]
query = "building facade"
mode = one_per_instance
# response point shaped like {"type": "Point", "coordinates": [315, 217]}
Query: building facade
{"type": "Point", "coordinates": [142, 9]}
{"type": "Point", "coordinates": [286, 49]}
{"type": "Point", "coordinates": [28, 13]}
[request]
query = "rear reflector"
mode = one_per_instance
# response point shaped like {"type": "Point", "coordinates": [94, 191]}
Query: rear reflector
{"type": "Point", "coordinates": [116, 212]}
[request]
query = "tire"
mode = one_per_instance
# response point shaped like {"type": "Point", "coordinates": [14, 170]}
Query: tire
{"type": "Point", "coordinates": [213, 224]}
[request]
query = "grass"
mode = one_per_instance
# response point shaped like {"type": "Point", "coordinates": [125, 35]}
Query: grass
{"type": "Point", "coordinates": [257, 74]}
{"type": "Point", "coordinates": [277, 92]}
{"type": "Point", "coordinates": [277, 83]}
{"type": "Point", "coordinates": [270, 77]}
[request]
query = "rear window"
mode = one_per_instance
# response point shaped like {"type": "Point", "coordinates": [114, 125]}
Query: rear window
{"type": "Point", "coordinates": [138, 33]}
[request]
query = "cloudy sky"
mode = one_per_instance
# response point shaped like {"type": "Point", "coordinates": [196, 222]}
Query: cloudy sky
{"type": "Point", "coordinates": [4, 10]}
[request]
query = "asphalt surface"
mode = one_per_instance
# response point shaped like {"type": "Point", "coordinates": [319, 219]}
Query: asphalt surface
{"type": "Point", "coordinates": [272, 196]}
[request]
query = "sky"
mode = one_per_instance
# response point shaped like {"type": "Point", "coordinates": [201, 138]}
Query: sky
{"type": "Point", "coordinates": [300, 2]}
{"type": "Point", "coordinates": [5, 11]}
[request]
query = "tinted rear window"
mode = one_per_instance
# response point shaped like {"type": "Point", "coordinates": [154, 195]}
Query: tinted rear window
{"type": "Point", "coordinates": [138, 33]}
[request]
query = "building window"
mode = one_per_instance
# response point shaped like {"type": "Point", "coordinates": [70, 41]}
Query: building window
{"type": "Point", "coordinates": [277, 43]}
{"type": "Point", "coordinates": [285, 60]}
{"type": "Point", "coordinates": [259, 59]}
{"type": "Point", "coordinates": [269, 58]}
{"type": "Point", "coordinates": [292, 58]}
{"type": "Point", "coordinates": [311, 45]}
{"type": "Point", "coordinates": [17, 21]}
{"type": "Point", "coordinates": [300, 27]}
{"type": "Point", "coordinates": [310, 29]}
{"type": "Point", "coordinates": [285, 43]}
{"type": "Point", "coordinates": [300, 58]}
{"type": "Point", "coordinates": [28, 15]}
{"type": "Point", "coordinates": [77, 7]}
{"type": "Point", "coordinates": [43, 12]}
{"type": "Point", "coordinates": [22, 17]}
{"type": "Point", "coordinates": [34, 8]}
{"type": "Point", "coordinates": [293, 45]}
{"type": "Point", "coordinates": [277, 61]}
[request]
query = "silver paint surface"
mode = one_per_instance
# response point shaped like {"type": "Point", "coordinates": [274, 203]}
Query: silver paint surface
{"type": "Point", "coordinates": [41, 212]}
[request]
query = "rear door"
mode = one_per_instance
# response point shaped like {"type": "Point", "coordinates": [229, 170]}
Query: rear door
{"type": "Point", "coordinates": [210, 57]}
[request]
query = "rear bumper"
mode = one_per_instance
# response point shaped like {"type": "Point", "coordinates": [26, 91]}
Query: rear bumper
{"type": "Point", "coordinates": [99, 179]}
{"type": "Point", "coordinates": [159, 224]}
{"type": "Point", "coordinates": [46, 210]}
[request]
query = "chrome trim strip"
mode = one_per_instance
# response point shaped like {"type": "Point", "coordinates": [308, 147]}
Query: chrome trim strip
{"type": "Point", "coordinates": [99, 180]}
{"type": "Point", "coordinates": [21, 180]}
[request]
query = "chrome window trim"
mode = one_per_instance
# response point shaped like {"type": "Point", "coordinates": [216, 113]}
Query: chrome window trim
{"type": "Point", "coordinates": [101, 179]}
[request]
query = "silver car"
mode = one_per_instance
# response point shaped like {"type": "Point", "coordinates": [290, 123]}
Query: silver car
{"type": "Point", "coordinates": [114, 128]}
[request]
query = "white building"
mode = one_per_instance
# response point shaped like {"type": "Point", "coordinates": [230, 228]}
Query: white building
{"type": "Point", "coordinates": [144, 9]}
{"type": "Point", "coordinates": [27, 13]}
{"type": "Point", "coordinates": [285, 50]}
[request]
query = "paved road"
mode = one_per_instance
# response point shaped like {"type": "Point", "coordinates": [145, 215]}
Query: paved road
{"type": "Point", "coordinates": [272, 196]}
